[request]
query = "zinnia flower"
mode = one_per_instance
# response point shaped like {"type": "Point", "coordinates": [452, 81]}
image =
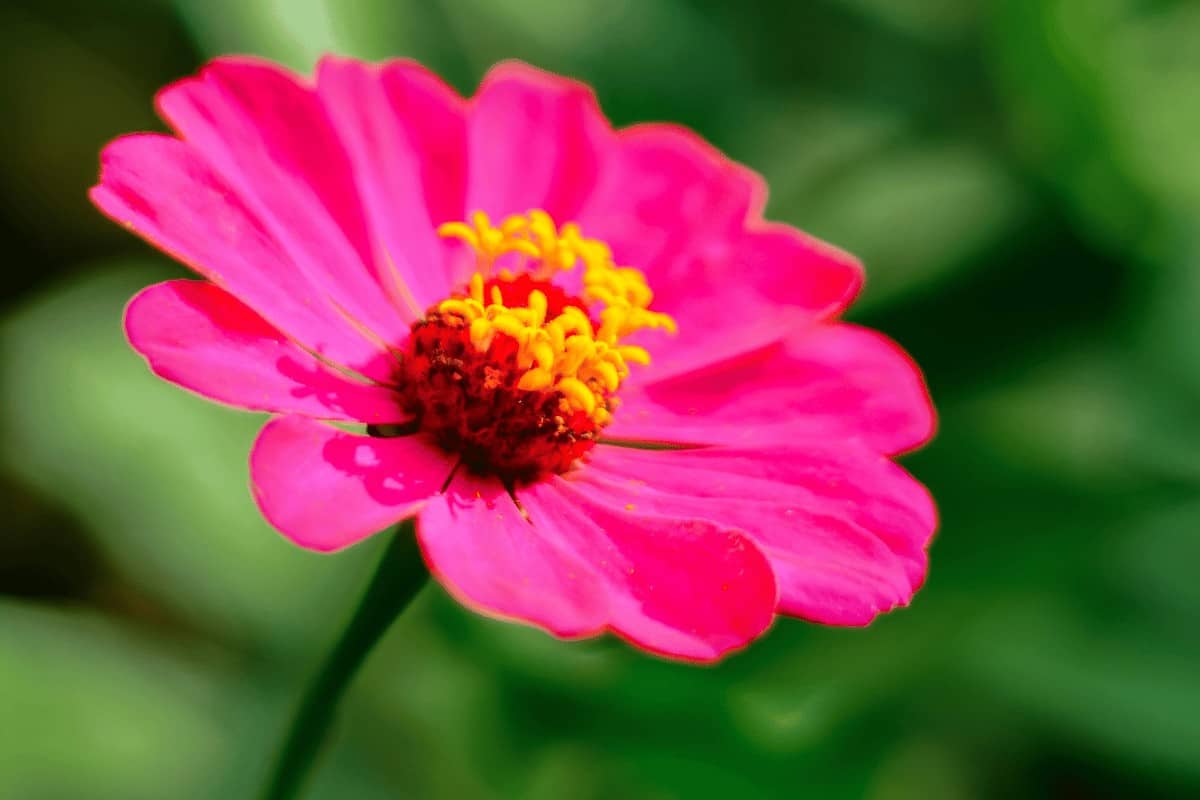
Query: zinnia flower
{"type": "Point", "coordinates": [611, 394]}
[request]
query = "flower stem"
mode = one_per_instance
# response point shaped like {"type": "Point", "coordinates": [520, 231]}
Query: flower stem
{"type": "Point", "coordinates": [400, 575]}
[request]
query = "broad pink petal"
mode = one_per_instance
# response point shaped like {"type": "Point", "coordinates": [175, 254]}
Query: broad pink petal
{"type": "Point", "coordinates": [685, 589]}
{"type": "Point", "coordinates": [536, 140]}
{"type": "Point", "coordinates": [831, 380]}
{"type": "Point", "coordinates": [269, 136]}
{"type": "Point", "coordinates": [665, 194]}
{"type": "Point", "coordinates": [163, 190]}
{"type": "Point", "coordinates": [792, 268]}
{"type": "Point", "coordinates": [681, 587]}
{"type": "Point", "coordinates": [326, 489]}
{"type": "Point", "coordinates": [845, 529]}
{"type": "Point", "coordinates": [484, 551]}
{"type": "Point", "coordinates": [199, 336]}
{"type": "Point", "coordinates": [405, 133]}
{"type": "Point", "coordinates": [709, 346]}
{"type": "Point", "coordinates": [674, 206]}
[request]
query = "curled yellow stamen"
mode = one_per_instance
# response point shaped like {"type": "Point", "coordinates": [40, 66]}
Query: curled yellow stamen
{"type": "Point", "coordinates": [566, 353]}
{"type": "Point", "coordinates": [488, 242]}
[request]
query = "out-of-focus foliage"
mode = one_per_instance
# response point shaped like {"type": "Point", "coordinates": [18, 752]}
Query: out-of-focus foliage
{"type": "Point", "coordinates": [1022, 178]}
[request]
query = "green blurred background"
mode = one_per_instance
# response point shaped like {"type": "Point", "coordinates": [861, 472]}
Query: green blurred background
{"type": "Point", "coordinates": [1022, 178]}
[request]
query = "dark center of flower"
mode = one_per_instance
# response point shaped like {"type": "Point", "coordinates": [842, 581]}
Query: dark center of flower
{"type": "Point", "coordinates": [514, 374]}
{"type": "Point", "coordinates": [471, 403]}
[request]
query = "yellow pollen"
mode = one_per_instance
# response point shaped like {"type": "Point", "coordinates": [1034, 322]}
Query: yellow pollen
{"type": "Point", "coordinates": [567, 354]}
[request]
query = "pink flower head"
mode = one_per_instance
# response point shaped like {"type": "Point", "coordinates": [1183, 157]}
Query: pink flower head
{"type": "Point", "coordinates": [612, 395]}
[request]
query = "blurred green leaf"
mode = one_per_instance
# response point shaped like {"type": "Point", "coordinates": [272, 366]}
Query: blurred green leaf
{"type": "Point", "coordinates": [1154, 564]}
{"type": "Point", "coordinates": [1151, 69]}
{"type": "Point", "coordinates": [1103, 97]}
{"type": "Point", "coordinates": [925, 769]}
{"type": "Point", "coordinates": [913, 215]}
{"type": "Point", "coordinates": [575, 770]}
{"type": "Point", "coordinates": [798, 697]}
{"type": "Point", "coordinates": [95, 710]}
{"type": "Point", "coordinates": [55, 125]}
{"type": "Point", "coordinates": [1135, 696]}
{"type": "Point", "coordinates": [92, 711]}
{"type": "Point", "coordinates": [1072, 417]}
{"type": "Point", "coordinates": [1096, 418]}
{"type": "Point", "coordinates": [578, 38]}
{"type": "Point", "coordinates": [1166, 327]}
{"type": "Point", "coordinates": [804, 143]}
{"type": "Point", "coordinates": [922, 19]}
{"type": "Point", "coordinates": [298, 32]}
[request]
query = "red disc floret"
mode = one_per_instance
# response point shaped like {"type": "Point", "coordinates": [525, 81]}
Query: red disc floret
{"type": "Point", "coordinates": [468, 401]}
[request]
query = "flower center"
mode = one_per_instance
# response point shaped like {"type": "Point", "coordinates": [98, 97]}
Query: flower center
{"type": "Point", "coordinates": [515, 373]}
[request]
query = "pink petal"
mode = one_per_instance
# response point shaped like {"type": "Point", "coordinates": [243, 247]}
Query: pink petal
{"type": "Point", "coordinates": [680, 587]}
{"type": "Point", "coordinates": [536, 140]}
{"type": "Point", "coordinates": [684, 589]}
{"type": "Point", "coordinates": [710, 345]}
{"type": "Point", "coordinates": [793, 268]}
{"type": "Point", "coordinates": [845, 529]}
{"type": "Point", "coordinates": [163, 190]}
{"type": "Point", "coordinates": [484, 551]}
{"type": "Point", "coordinates": [269, 136]}
{"type": "Point", "coordinates": [677, 208]}
{"type": "Point", "coordinates": [199, 336]}
{"type": "Point", "coordinates": [666, 192]}
{"type": "Point", "coordinates": [831, 380]}
{"type": "Point", "coordinates": [405, 133]}
{"type": "Point", "coordinates": [326, 489]}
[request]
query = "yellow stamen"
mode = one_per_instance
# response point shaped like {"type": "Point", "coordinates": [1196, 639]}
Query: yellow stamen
{"type": "Point", "coordinates": [566, 353]}
{"type": "Point", "coordinates": [631, 352]}
{"type": "Point", "coordinates": [536, 380]}
{"type": "Point", "coordinates": [577, 394]}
